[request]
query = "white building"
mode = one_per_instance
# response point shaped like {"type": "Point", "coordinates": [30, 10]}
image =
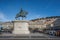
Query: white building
{"type": "Point", "coordinates": [40, 23]}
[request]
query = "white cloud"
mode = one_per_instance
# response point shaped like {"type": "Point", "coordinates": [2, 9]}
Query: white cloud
{"type": "Point", "coordinates": [3, 17]}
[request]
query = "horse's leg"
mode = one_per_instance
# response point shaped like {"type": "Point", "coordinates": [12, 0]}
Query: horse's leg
{"type": "Point", "coordinates": [25, 17]}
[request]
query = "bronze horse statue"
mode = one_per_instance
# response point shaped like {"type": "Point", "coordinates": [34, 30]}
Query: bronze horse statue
{"type": "Point", "coordinates": [22, 14]}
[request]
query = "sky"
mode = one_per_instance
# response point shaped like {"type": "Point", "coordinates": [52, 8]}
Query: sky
{"type": "Point", "coordinates": [35, 8]}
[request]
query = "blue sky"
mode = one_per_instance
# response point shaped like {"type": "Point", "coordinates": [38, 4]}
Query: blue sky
{"type": "Point", "coordinates": [35, 8]}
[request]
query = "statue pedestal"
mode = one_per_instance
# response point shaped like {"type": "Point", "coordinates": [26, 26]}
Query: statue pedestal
{"type": "Point", "coordinates": [20, 27]}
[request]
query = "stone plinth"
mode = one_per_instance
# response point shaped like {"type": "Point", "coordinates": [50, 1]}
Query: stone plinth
{"type": "Point", "coordinates": [20, 27]}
